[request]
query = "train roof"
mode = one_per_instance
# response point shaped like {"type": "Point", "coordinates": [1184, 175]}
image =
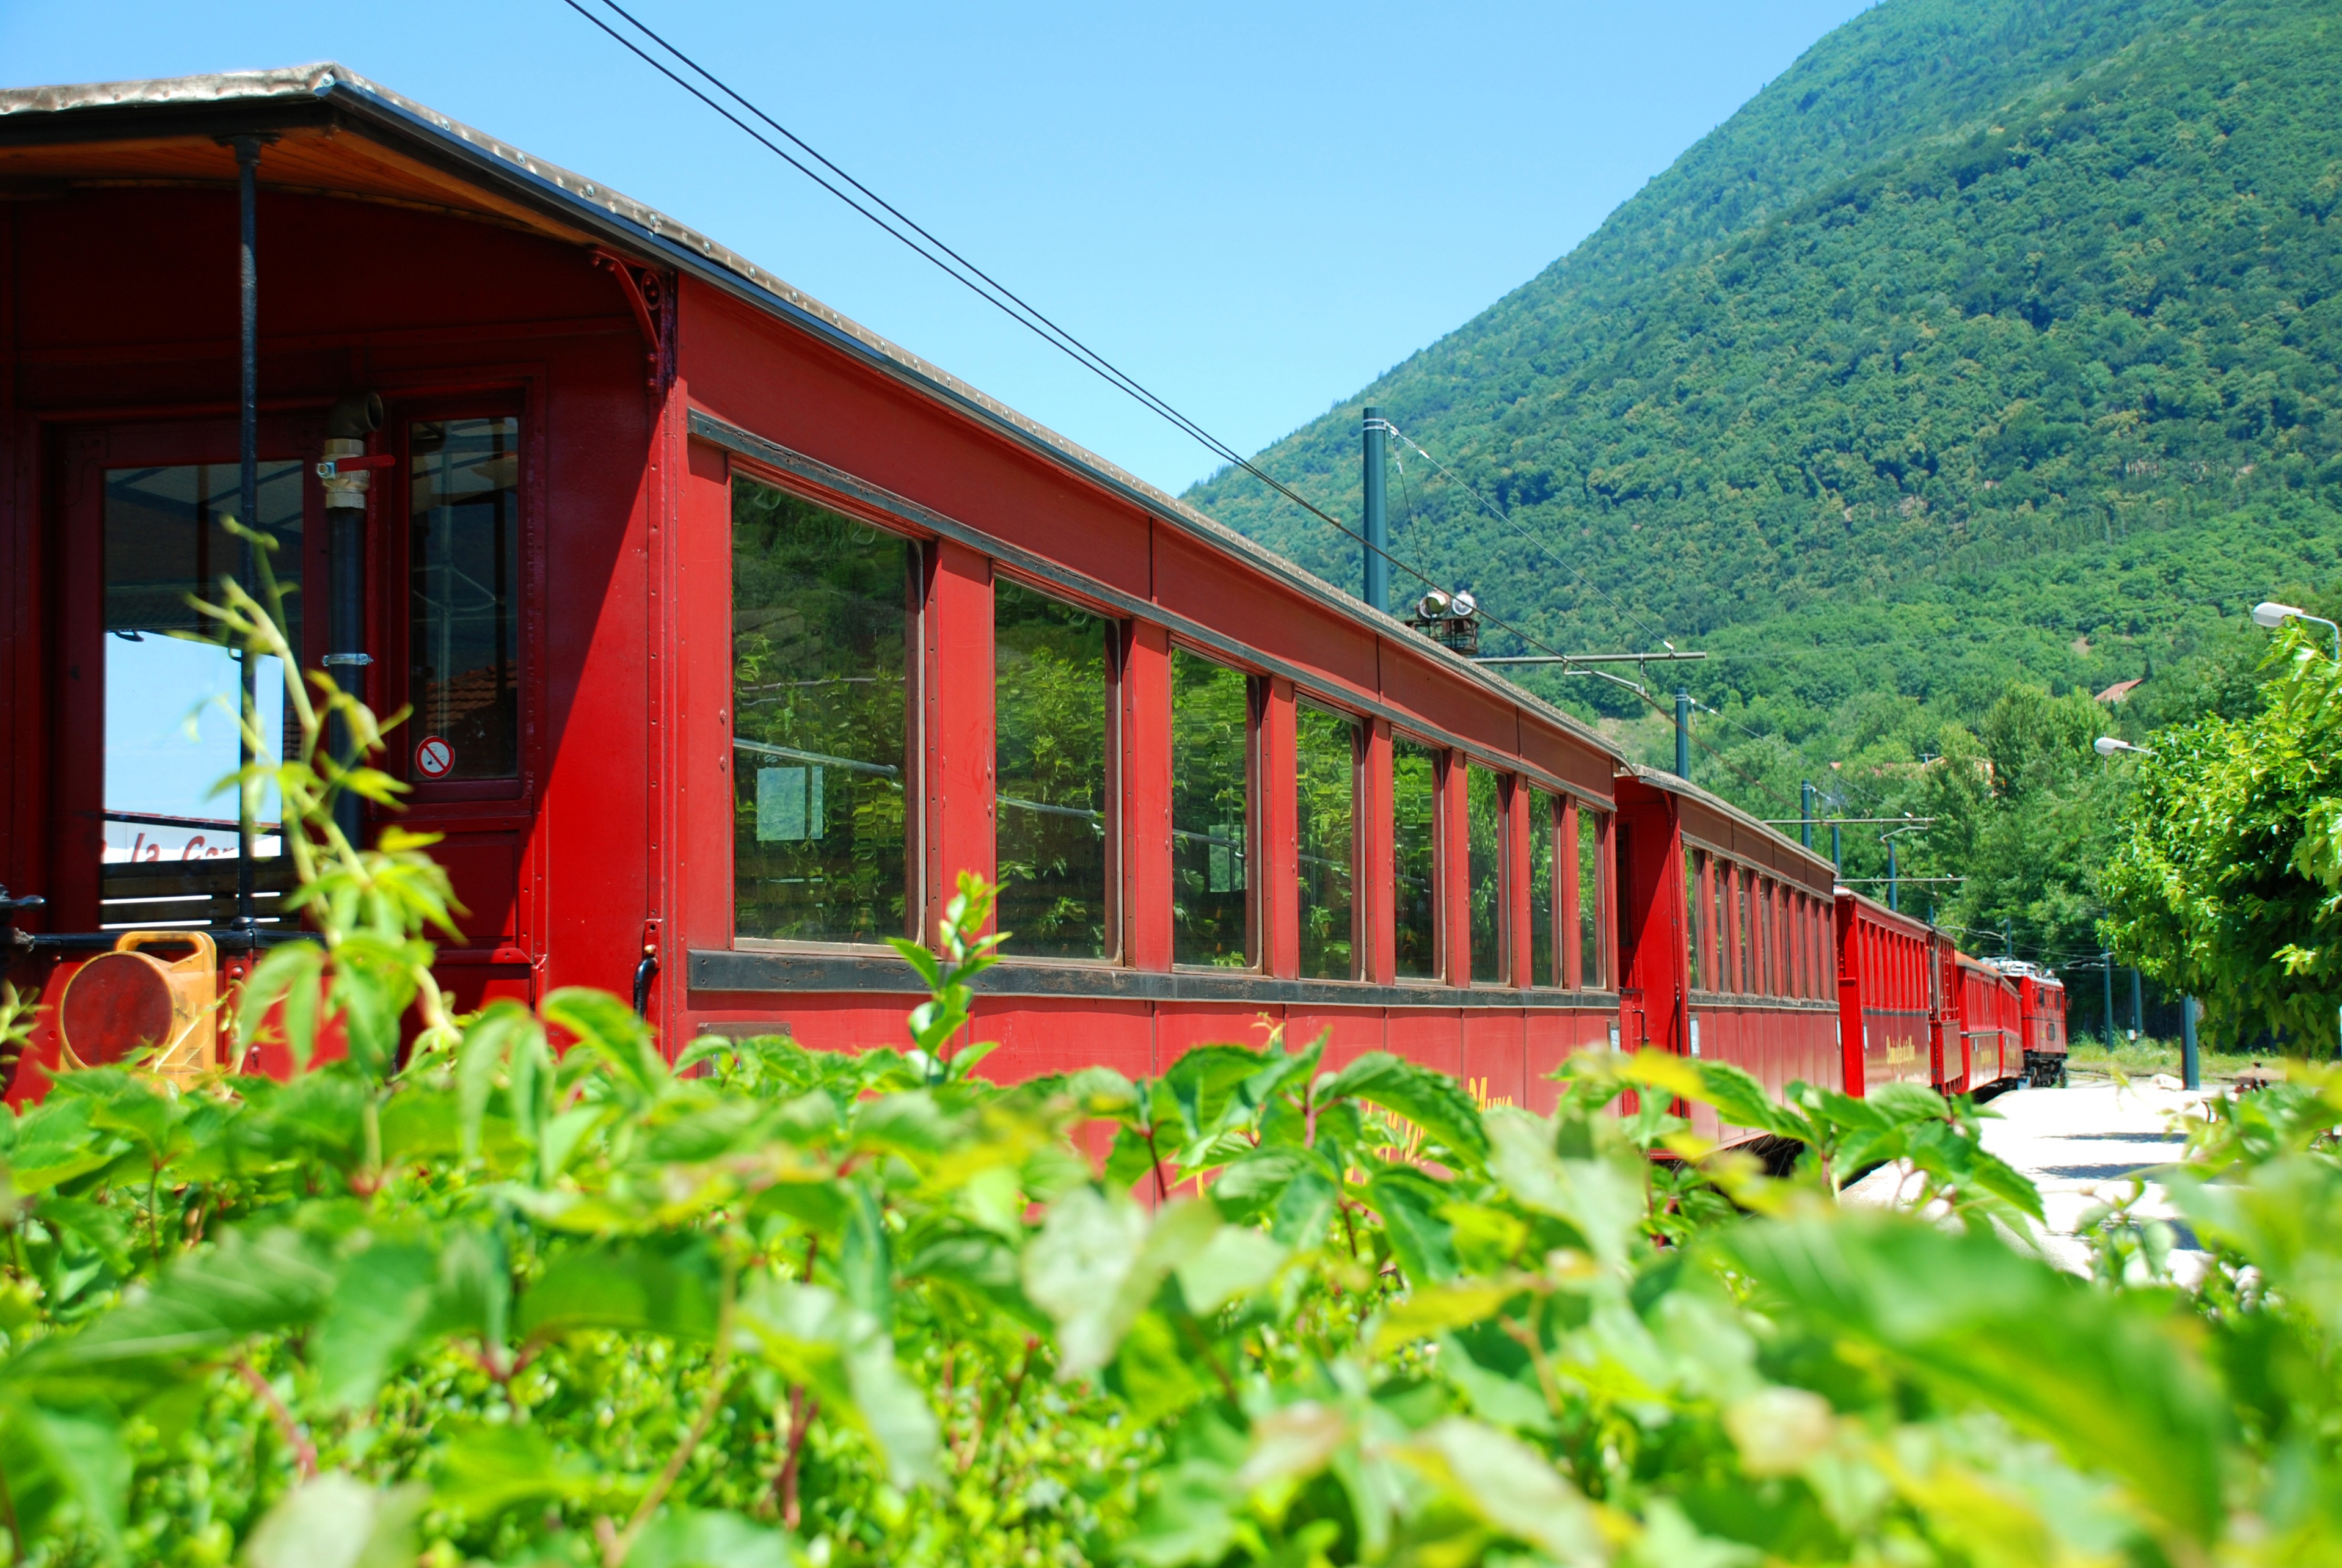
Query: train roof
{"type": "Point", "coordinates": [338, 133]}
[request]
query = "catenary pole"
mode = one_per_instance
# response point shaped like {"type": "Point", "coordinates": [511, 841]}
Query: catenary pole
{"type": "Point", "coordinates": [2106, 970]}
{"type": "Point", "coordinates": [1806, 801]}
{"type": "Point", "coordinates": [2191, 1066]}
{"type": "Point", "coordinates": [1378, 518]}
{"type": "Point", "coordinates": [1683, 733]}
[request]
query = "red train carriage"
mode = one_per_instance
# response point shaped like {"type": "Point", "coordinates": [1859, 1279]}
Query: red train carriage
{"type": "Point", "coordinates": [2041, 1014]}
{"type": "Point", "coordinates": [1990, 1023]}
{"type": "Point", "coordinates": [1887, 987]}
{"type": "Point", "coordinates": [733, 634]}
{"type": "Point", "coordinates": [1726, 926]}
{"type": "Point", "coordinates": [1955, 1066]}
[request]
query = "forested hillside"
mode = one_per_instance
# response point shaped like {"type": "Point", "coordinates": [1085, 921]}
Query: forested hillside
{"type": "Point", "coordinates": [1990, 348]}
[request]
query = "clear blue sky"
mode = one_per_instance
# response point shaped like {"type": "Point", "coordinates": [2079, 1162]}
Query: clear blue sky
{"type": "Point", "coordinates": [1253, 208]}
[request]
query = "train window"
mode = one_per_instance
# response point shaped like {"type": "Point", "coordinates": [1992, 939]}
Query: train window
{"type": "Point", "coordinates": [1593, 882]}
{"type": "Point", "coordinates": [464, 626]}
{"type": "Point", "coordinates": [820, 643]}
{"type": "Point", "coordinates": [173, 695]}
{"type": "Point", "coordinates": [1211, 813]}
{"type": "Point", "coordinates": [1484, 815]}
{"type": "Point", "coordinates": [1052, 839]}
{"type": "Point", "coordinates": [1325, 778]}
{"type": "Point", "coordinates": [1544, 893]}
{"type": "Point", "coordinates": [1415, 859]}
{"type": "Point", "coordinates": [1693, 862]}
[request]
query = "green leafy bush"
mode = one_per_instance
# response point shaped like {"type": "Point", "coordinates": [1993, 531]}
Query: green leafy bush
{"type": "Point", "coordinates": [534, 1294]}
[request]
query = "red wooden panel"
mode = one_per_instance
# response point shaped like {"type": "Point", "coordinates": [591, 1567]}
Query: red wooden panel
{"type": "Point", "coordinates": [958, 693]}
{"type": "Point", "coordinates": [1147, 797]}
{"type": "Point", "coordinates": [1455, 866]}
{"type": "Point", "coordinates": [1040, 1035]}
{"type": "Point", "coordinates": [1564, 878]}
{"type": "Point", "coordinates": [484, 868]}
{"type": "Point", "coordinates": [1552, 1036]}
{"type": "Point", "coordinates": [1277, 905]}
{"type": "Point", "coordinates": [1180, 1026]}
{"type": "Point", "coordinates": [1431, 1036]}
{"type": "Point", "coordinates": [698, 910]}
{"type": "Point", "coordinates": [1194, 580]}
{"type": "Point", "coordinates": [1350, 1033]}
{"type": "Point", "coordinates": [1412, 684]}
{"type": "Point", "coordinates": [819, 1021]}
{"type": "Point", "coordinates": [767, 377]}
{"type": "Point", "coordinates": [1496, 1053]}
{"type": "Point", "coordinates": [1518, 802]}
{"type": "Point", "coordinates": [1378, 922]}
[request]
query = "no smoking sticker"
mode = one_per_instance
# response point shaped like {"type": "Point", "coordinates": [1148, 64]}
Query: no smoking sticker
{"type": "Point", "coordinates": [434, 758]}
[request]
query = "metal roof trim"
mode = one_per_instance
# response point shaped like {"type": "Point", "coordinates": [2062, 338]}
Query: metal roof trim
{"type": "Point", "coordinates": [634, 225]}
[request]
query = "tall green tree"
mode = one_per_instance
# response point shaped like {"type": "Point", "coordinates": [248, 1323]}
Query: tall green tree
{"type": "Point", "coordinates": [2228, 881]}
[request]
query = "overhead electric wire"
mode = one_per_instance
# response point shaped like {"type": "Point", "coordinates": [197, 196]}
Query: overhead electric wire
{"type": "Point", "coordinates": [980, 282]}
{"type": "Point", "coordinates": [1506, 518]}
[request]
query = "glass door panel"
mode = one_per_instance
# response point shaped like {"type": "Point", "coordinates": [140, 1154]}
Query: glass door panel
{"type": "Point", "coordinates": [173, 692]}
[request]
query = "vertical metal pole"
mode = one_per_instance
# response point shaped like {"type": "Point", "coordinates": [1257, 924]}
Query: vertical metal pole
{"type": "Point", "coordinates": [1377, 585]}
{"type": "Point", "coordinates": [1806, 825]}
{"type": "Point", "coordinates": [1838, 855]}
{"type": "Point", "coordinates": [2106, 968]}
{"type": "Point", "coordinates": [1894, 889]}
{"type": "Point", "coordinates": [2191, 1066]}
{"type": "Point", "coordinates": [247, 186]}
{"type": "Point", "coordinates": [2137, 1015]}
{"type": "Point", "coordinates": [1683, 733]}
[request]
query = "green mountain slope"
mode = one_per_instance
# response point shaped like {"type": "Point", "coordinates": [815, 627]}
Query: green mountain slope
{"type": "Point", "coordinates": [1996, 340]}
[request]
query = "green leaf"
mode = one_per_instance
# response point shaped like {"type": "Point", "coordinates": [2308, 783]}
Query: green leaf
{"type": "Point", "coordinates": [1601, 1201]}
{"type": "Point", "coordinates": [484, 1469]}
{"type": "Point", "coordinates": [383, 1299]}
{"type": "Point", "coordinates": [1511, 1486]}
{"type": "Point", "coordinates": [337, 1521]}
{"type": "Point", "coordinates": [665, 1285]}
{"type": "Point", "coordinates": [1433, 1101]}
{"type": "Point", "coordinates": [1097, 1263]}
{"type": "Point", "coordinates": [709, 1538]}
{"type": "Point", "coordinates": [813, 1337]}
{"type": "Point", "coordinates": [1410, 1204]}
{"type": "Point", "coordinates": [1430, 1311]}
{"type": "Point", "coordinates": [1237, 1262]}
{"type": "Point", "coordinates": [57, 1453]}
{"type": "Point", "coordinates": [264, 1281]}
{"type": "Point", "coordinates": [610, 1029]}
{"type": "Point", "coordinates": [489, 1042]}
{"type": "Point", "coordinates": [293, 974]}
{"type": "Point", "coordinates": [2108, 1379]}
{"type": "Point", "coordinates": [866, 1257]}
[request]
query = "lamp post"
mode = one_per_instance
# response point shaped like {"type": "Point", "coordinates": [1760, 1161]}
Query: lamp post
{"type": "Point", "coordinates": [2191, 1067]}
{"type": "Point", "coordinates": [2269, 612]}
{"type": "Point", "coordinates": [2106, 968]}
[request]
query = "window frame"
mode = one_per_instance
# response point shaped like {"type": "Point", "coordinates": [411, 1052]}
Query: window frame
{"type": "Point", "coordinates": [392, 686]}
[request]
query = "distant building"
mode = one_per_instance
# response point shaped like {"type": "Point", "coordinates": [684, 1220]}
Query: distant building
{"type": "Point", "coordinates": [2121, 691]}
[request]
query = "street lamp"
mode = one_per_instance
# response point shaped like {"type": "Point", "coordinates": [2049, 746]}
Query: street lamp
{"type": "Point", "coordinates": [2106, 746]}
{"type": "Point", "coordinates": [2269, 612]}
